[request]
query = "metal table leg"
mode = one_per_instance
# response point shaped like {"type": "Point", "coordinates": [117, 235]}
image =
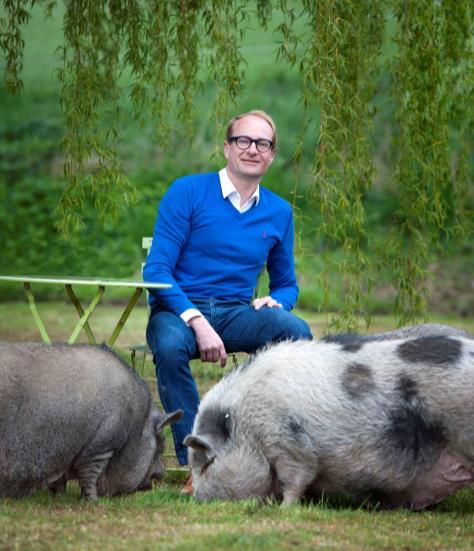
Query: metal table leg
{"type": "Point", "coordinates": [87, 313]}
{"type": "Point", "coordinates": [124, 316]}
{"type": "Point", "coordinates": [80, 311]}
{"type": "Point", "coordinates": [34, 311]}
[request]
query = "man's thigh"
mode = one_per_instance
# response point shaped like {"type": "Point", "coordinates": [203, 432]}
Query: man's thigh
{"type": "Point", "coordinates": [244, 329]}
{"type": "Point", "coordinates": [167, 334]}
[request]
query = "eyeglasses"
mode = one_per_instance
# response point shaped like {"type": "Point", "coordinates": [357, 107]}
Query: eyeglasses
{"type": "Point", "coordinates": [244, 142]}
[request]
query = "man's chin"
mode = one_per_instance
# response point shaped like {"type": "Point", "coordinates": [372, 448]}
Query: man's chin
{"type": "Point", "coordinates": [251, 170]}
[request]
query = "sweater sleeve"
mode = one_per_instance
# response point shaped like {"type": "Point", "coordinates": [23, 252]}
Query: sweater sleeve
{"type": "Point", "coordinates": [281, 269]}
{"type": "Point", "coordinates": [169, 237]}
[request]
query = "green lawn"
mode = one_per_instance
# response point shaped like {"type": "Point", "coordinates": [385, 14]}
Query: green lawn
{"type": "Point", "coordinates": [165, 520]}
{"type": "Point", "coordinates": [162, 519]}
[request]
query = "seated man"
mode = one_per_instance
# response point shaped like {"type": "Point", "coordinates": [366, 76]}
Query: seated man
{"type": "Point", "coordinates": [213, 235]}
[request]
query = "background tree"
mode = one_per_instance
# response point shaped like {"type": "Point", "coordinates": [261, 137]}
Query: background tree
{"type": "Point", "coordinates": [150, 60]}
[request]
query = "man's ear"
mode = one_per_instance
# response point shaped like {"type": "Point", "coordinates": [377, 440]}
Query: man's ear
{"type": "Point", "coordinates": [226, 149]}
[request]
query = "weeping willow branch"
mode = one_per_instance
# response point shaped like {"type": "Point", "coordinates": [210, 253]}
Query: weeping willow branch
{"type": "Point", "coordinates": [17, 14]}
{"type": "Point", "coordinates": [338, 72]}
{"type": "Point", "coordinates": [186, 44]}
{"type": "Point", "coordinates": [167, 46]}
{"type": "Point", "coordinates": [154, 79]}
{"type": "Point", "coordinates": [459, 66]}
{"type": "Point", "coordinates": [423, 85]}
{"type": "Point", "coordinates": [221, 23]}
{"type": "Point", "coordinates": [90, 101]}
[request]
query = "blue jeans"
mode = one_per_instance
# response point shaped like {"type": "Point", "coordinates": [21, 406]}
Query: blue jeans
{"type": "Point", "coordinates": [241, 328]}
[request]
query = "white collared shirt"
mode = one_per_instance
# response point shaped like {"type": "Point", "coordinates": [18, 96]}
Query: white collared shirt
{"type": "Point", "coordinates": [228, 192]}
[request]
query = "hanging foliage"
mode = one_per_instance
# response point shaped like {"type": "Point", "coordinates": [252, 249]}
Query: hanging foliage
{"type": "Point", "coordinates": [90, 100]}
{"type": "Point", "coordinates": [338, 69]}
{"type": "Point", "coordinates": [168, 46]}
{"type": "Point", "coordinates": [17, 13]}
{"type": "Point", "coordinates": [428, 55]}
{"type": "Point", "coordinates": [222, 19]}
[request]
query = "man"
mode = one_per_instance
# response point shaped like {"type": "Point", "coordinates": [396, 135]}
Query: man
{"type": "Point", "coordinates": [213, 235]}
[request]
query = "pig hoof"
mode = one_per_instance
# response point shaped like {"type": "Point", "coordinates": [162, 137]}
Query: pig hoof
{"type": "Point", "coordinates": [89, 493]}
{"type": "Point", "coordinates": [290, 497]}
{"type": "Point", "coordinates": [57, 487]}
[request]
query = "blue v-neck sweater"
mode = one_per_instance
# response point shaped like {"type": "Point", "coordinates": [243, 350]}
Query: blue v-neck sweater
{"type": "Point", "coordinates": [206, 248]}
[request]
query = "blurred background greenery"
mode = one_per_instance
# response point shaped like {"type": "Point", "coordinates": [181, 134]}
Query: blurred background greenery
{"type": "Point", "coordinates": [31, 178]}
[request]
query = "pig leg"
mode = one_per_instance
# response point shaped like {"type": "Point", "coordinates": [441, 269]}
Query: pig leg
{"type": "Point", "coordinates": [57, 486]}
{"type": "Point", "coordinates": [295, 462]}
{"type": "Point", "coordinates": [294, 478]}
{"type": "Point", "coordinates": [89, 473]}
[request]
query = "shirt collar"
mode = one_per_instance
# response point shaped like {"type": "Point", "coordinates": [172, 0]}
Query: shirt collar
{"type": "Point", "coordinates": [228, 187]}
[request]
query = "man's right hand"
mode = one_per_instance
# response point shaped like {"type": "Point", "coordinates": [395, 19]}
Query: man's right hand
{"type": "Point", "coordinates": [210, 345]}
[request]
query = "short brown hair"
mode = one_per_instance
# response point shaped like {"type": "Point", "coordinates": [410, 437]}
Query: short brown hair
{"type": "Point", "coordinates": [255, 113]}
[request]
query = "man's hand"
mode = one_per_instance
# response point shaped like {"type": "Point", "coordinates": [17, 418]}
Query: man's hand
{"type": "Point", "coordinates": [210, 345]}
{"type": "Point", "coordinates": [265, 301]}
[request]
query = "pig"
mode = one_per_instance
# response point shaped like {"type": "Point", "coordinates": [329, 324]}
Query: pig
{"type": "Point", "coordinates": [76, 412]}
{"type": "Point", "coordinates": [422, 330]}
{"type": "Point", "coordinates": [385, 419]}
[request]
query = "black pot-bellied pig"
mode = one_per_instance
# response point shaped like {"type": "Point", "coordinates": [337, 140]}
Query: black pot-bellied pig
{"type": "Point", "coordinates": [380, 418]}
{"type": "Point", "coordinates": [76, 412]}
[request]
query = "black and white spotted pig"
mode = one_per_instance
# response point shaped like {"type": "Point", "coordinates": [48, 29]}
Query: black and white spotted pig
{"type": "Point", "coordinates": [387, 418]}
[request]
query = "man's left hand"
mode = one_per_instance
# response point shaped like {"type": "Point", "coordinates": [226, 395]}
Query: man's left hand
{"type": "Point", "coordinates": [265, 301]}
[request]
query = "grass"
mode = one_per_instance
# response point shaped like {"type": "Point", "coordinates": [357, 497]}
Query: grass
{"type": "Point", "coordinates": [163, 519]}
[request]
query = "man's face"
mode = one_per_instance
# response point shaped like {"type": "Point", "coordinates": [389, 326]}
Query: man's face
{"type": "Point", "coordinates": [249, 163]}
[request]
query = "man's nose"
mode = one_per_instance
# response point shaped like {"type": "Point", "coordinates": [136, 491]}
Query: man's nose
{"type": "Point", "coordinates": [253, 148]}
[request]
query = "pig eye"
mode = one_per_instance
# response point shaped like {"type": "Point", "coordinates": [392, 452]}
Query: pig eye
{"type": "Point", "coordinates": [227, 426]}
{"type": "Point", "coordinates": [207, 465]}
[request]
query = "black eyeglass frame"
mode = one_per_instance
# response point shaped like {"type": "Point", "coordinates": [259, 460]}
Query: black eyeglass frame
{"type": "Point", "coordinates": [251, 141]}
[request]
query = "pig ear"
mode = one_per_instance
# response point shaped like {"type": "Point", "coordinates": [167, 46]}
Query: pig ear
{"type": "Point", "coordinates": [168, 418]}
{"type": "Point", "coordinates": [198, 443]}
{"type": "Point", "coordinates": [201, 445]}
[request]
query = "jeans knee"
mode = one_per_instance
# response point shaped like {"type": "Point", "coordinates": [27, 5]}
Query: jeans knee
{"type": "Point", "coordinates": [305, 333]}
{"type": "Point", "coordinates": [170, 346]}
{"type": "Point", "coordinates": [296, 329]}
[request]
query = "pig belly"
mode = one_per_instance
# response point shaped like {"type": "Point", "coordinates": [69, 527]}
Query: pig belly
{"type": "Point", "coordinates": [448, 475]}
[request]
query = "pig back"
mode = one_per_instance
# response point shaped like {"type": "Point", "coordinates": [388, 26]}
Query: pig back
{"type": "Point", "coordinates": [350, 392]}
